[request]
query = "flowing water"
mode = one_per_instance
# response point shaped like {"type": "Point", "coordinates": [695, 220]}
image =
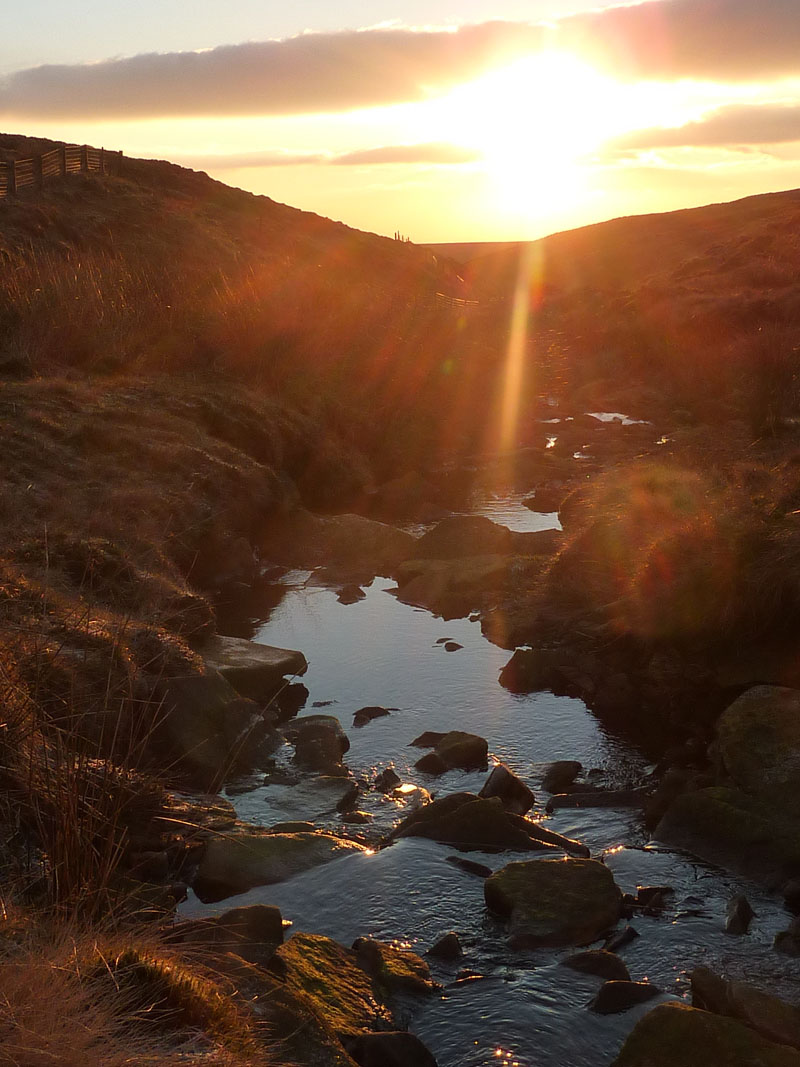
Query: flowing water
{"type": "Point", "coordinates": [513, 1008]}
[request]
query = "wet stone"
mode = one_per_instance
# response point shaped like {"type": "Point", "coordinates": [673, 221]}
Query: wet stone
{"type": "Point", "coordinates": [480, 870]}
{"type": "Point", "coordinates": [621, 939]}
{"type": "Point", "coordinates": [560, 775]}
{"type": "Point", "coordinates": [431, 763]}
{"type": "Point", "coordinates": [615, 997]}
{"type": "Point", "coordinates": [447, 947]}
{"type": "Point", "coordinates": [387, 780]}
{"type": "Point", "coordinates": [738, 915]}
{"type": "Point", "coordinates": [513, 793]}
{"type": "Point", "coordinates": [554, 902]}
{"type": "Point", "coordinates": [365, 715]}
{"type": "Point", "coordinates": [600, 963]}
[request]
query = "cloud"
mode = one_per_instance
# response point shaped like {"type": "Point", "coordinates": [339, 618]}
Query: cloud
{"type": "Point", "coordinates": [332, 72]}
{"type": "Point", "coordinates": [310, 73]}
{"type": "Point", "coordinates": [721, 40]}
{"type": "Point", "coordinates": [437, 153]}
{"type": "Point", "coordinates": [246, 160]}
{"type": "Point", "coordinates": [741, 124]}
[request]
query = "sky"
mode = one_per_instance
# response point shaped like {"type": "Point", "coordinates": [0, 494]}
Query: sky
{"type": "Point", "coordinates": [440, 120]}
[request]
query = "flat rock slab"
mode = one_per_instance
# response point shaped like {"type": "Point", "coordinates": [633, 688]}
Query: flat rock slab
{"type": "Point", "coordinates": [242, 861]}
{"type": "Point", "coordinates": [675, 1035]}
{"type": "Point", "coordinates": [253, 670]}
{"type": "Point", "coordinates": [554, 902]}
{"type": "Point", "coordinates": [310, 799]}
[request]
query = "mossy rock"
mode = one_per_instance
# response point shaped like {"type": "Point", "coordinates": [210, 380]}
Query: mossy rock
{"type": "Point", "coordinates": [773, 1018]}
{"type": "Point", "coordinates": [727, 827]}
{"type": "Point", "coordinates": [329, 974]}
{"type": "Point", "coordinates": [554, 902]}
{"type": "Point", "coordinates": [240, 862]}
{"type": "Point", "coordinates": [460, 749]}
{"type": "Point", "coordinates": [396, 970]}
{"type": "Point", "coordinates": [759, 742]}
{"type": "Point", "coordinates": [675, 1035]}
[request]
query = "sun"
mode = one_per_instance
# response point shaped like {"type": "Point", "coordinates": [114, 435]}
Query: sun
{"type": "Point", "coordinates": [533, 122]}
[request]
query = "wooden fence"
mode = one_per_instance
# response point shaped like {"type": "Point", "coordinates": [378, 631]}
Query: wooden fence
{"type": "Point", "coordinates": [57, 163]}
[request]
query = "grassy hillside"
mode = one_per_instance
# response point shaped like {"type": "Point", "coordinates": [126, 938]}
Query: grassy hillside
{"type": "Point", "coordinates": [702, 305]}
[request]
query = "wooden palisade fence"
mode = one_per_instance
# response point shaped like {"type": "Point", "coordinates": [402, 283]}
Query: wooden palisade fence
{"type": "Point", "coordinates": [57, 163]}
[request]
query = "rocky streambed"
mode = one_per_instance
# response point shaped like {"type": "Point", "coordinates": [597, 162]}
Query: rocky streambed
{"type": "Point", "coordinates": [363, 827]}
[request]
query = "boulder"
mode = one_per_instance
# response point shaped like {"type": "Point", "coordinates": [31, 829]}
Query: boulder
{"type": "Point", "coordinates": [431, 763]}
{"type": "Point", "coordinates": [448, 947]}
{"type": "Point", "coordinates": [208, 729]}
{"type": "Point", "coordinates": [254, 670]}
{"type": "Point", "coordinates": [772, 1018]}
{"type": "Point", "coordinates": [600, 963]}
{"type": "Point", "coordinates": [532, 670]}
{"type": "Point", "coordinates": [675, 1035]}
{"type": "Point", "coordinates": [253, 932]}
{"type": "Point", "coordinates": [328, 973]}
{"type": "Point", "coordinates": [352, 989]}
{"type": "Point", "coordinates": [408, 498]}
{"type": "Point", "coordinates": [319, 741]}
{"type": "Point", "coordinates": [460, 536]}
{"type": "Point", "coordinates": [428, 739]}
{"type": "Point", "coordinates": [758, 740]}
{"type": "Point", "coordinates": [350, 594]}
{"type": "Point", "coordinates": [455, 587]}
{"type": "Point", "coordinates": [554, 902]}
{"type": "Point", "coordinates": [365, 715]}
{"type": "Point", "coordinates": [387, 780]}
{"type": "Point", "coordinates": [352, 547]}
{"type": "Point", "coordinates": [547, 498]}
{"type": "Point", "coordinates": [395, 1048]}
{"type": "Point", "coordinates": [514, 795]}
{"type": "Point", "coordinates": [238, 862]}
{"type": "Point", "coordinates": [464, 535]}
{"type": "Point", "coordinates": [618, 996]}
{"type": "Point", "coordinates": [560, 775]}
{"type": "Point", "coordinates": [459, 749]}
{"type": "Point", "coordinates": [469, 823]}
{"type": "Point", "coordinates": [788, 941]}
{"type": "Point", "coordinates": [726, 827]}
{"type": "Point", "coordinates": [738, 915]}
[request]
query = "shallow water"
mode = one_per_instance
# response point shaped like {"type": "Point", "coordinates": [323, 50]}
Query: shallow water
{"type": "Point", "coordinates": [524, 1008]}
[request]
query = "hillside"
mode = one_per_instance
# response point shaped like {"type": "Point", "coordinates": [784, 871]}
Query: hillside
{"type": "Point", "coordinates": [694, 302]}
{"type": "Point", "coordinates": [197, 387]}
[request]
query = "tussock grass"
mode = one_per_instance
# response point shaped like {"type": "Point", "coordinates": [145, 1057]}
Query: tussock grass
{"type": "Point", "coordinates": [77, 998]}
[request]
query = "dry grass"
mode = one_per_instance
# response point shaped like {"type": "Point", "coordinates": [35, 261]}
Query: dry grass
{"type": "Point", "coordinates": [70, 997]}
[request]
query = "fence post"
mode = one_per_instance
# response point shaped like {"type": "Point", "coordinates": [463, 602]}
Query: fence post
{"type": "Point", "coordinates": [38, 176]}
{"type": "Point", "coordinates": [12, 178]}
{"type": "Point", "coordinates": [62, 158]}
{"type": "Point", "coordinates": [84, 157]}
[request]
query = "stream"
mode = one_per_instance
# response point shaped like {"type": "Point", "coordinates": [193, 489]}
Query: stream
{"type": "Point", "coordinates": [518, 1009]}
